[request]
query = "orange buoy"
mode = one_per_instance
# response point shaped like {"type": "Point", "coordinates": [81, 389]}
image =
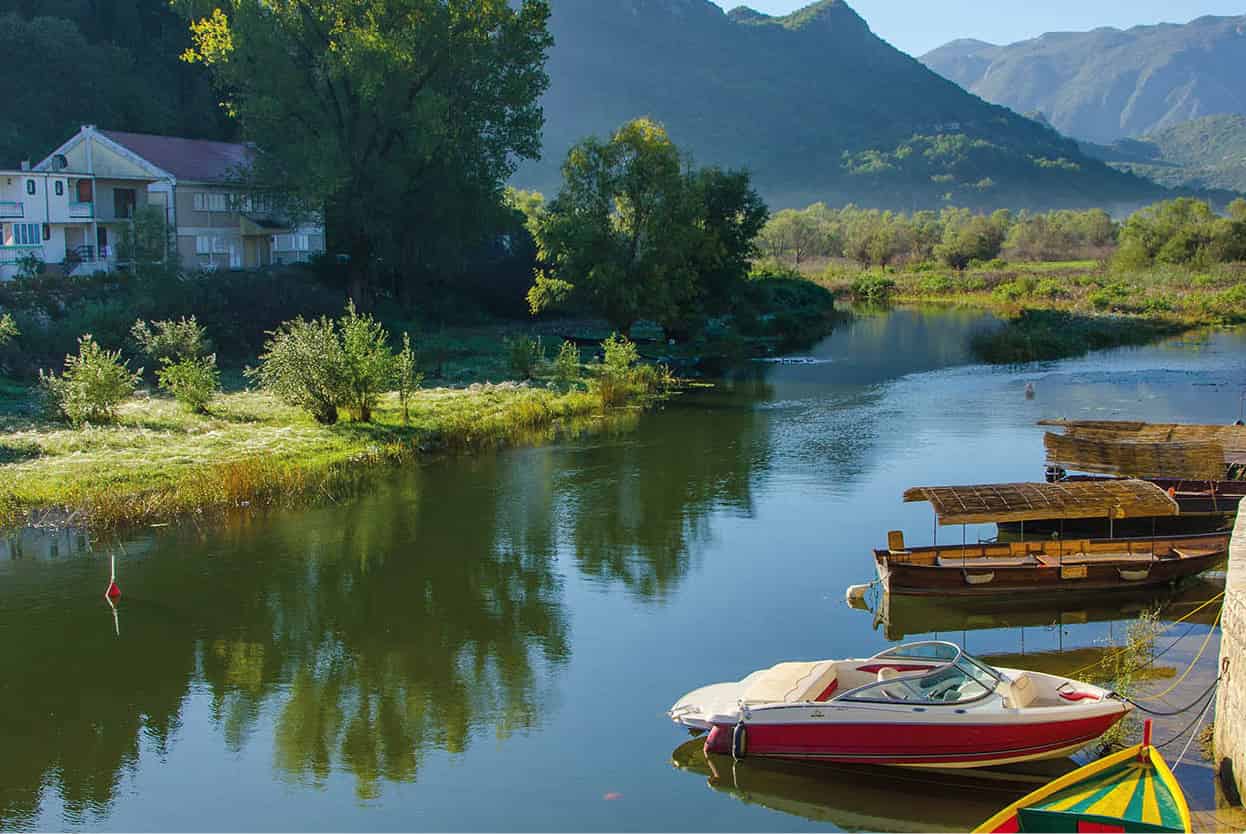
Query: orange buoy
{"type": "Point", "coordinates": [113, 591]}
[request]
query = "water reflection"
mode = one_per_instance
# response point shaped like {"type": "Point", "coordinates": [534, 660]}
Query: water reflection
{"type": "Point", "coordinates": [862, 798]}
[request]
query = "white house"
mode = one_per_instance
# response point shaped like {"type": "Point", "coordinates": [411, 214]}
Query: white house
{"type": "Point", "coordinates": [71, 208]}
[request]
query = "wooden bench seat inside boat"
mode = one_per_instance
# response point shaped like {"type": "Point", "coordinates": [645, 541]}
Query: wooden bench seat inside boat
{"type": "Point", "coordinates": [1094, 558]}
{"type": "Point", "coordinates": [793, 682]}
{"type": "Point", "coordinates": [971, 561]}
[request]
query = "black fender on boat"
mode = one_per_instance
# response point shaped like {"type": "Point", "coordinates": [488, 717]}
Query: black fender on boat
{"type": "Point", "coordinates": [739, 741]}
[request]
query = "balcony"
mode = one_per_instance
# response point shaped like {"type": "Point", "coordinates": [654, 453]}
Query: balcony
{"type": "Point", "coordinates": [81, 211]}
{"type": "Point", "coordinates": [11, 208]}
{"type": "Point", "coordinates": [14, 254]}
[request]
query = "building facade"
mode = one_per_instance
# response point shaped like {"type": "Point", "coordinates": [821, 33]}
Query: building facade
{"type": "Point", "coordinates": [87, 190]}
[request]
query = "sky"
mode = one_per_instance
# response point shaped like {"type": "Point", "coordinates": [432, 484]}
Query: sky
{"type": "Point", "coordinates": [918, 26]}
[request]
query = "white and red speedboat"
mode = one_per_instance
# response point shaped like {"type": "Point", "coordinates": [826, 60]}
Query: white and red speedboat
{"type": "Point", "coordinates": [924, 704]}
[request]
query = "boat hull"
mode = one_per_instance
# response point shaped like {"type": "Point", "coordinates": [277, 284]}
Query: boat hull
{"type": "Point", "coordinates": [940, 745]}
{"type": "Point", "coordinates": [983, 570]}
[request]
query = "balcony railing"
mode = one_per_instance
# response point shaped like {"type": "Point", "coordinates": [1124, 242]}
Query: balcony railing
{"type": "Point", "coordinates": [82, 211]}
{"type": "Point", "coordinates": [12, 208]}
{"type": "Point", "coordinates": [13, 254]}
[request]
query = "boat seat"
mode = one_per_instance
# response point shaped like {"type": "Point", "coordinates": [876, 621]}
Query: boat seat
{"type": "Point", "coordinates": [792, 682]}
{"type": "Point", "coordinates": [1020, 692]}
{"type": "Point", "coordinates": [1112, 558]}
{"type": "Point", "coordinates": [986, 561]}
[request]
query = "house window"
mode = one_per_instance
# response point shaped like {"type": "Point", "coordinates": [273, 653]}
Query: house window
{"type": "Point", "coordinates": [123, 202]}
{"type": "Point", "coordinates": [60, 188]}
{"type": "Point", "coordinates": [26, 234]}
{"type": "Point", "coordinates": [30, 187]}
{"type": "Point", "coordinates": [218, 245]}
{"type": "Point", "coordinates": [205, 201]}
{"type": "Point", "coordinates": [203, 245]}
{"type": "Point", "coordinates": [200, 201]}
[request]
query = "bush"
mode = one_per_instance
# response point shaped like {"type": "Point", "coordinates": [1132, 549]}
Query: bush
{"type": "Point", "coordinates": [8, 329]}
{"type": "Point", "coordinates": [873, 287]}
{"type": "Point", "coordinates": [614, 375]}
{"type": "Point", "coordinates": [303, 365]}
{"type": "Point", "coordinates": [172, 341]}
{"type": "Point", "coordinates": [524, 355]}
{"type": "Point", "coordinates": [406, 378]}
{"type": "Point", "coordinates": [935, 285]}
{"type": "Point", "coordinates": [92, 385]}
{"type": "Point", "coordinates": [192, 382]}
{"type": "Point", "coordinates": [369, 363]}
{"type": "Point", "coordinates": [567, 365]}
{"type": "Point", "coordinates": [1049, 288]}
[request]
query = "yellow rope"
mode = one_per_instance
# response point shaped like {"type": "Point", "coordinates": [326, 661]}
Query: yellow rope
{"type": "Point", "coordinates": [1107, 657]}
{"type": "Point", "coordinates": [1193, 663]}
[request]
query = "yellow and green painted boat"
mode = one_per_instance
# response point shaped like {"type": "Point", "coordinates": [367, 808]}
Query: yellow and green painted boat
{"type": "Point", "coordinates": [1129, 791]}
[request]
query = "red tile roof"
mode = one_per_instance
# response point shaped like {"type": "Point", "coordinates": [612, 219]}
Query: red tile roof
{"type": "Point", "coordinates": [187, 159]}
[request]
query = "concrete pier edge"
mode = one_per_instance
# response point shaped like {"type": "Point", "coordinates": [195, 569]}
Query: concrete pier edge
{"type": "Point", "coordinates": [1230, 734]}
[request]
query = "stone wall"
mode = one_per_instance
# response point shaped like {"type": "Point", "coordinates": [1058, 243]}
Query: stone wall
{"type": "Point", "coordinates": [1231, 697]}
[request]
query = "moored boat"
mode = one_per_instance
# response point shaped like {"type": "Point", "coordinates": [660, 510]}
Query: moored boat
{"type": "Point", "coordinates": [1132, 790]}
{"type": "Point", "coordinates": [1054, 564]}
{"type": "Point", "coordinates": [925, 704]}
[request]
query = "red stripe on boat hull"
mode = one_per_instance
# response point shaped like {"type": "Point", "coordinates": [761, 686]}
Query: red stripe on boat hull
{"type": "Point", "coordinates": [889, 743]}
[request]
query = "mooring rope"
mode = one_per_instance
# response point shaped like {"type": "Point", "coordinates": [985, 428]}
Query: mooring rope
{"type": "Point", "coordinates": [1166, 628]}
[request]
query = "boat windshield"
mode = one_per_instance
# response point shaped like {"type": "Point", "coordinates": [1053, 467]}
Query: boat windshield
{"type": "Point", "coordinates": [958, 679]}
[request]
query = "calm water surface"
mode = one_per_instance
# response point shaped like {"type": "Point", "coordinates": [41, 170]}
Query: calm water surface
{"type": "Point", "coordinates": [490, 642]}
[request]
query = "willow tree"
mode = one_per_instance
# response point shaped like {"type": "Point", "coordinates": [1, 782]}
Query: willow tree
{"type": "Point", "coordinates": [401, 118]}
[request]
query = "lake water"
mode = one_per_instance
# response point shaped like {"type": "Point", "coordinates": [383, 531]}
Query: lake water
{"type": "Point", "coordinates": [489, 643]}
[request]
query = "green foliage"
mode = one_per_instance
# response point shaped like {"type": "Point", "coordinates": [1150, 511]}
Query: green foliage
{"type": "Point", "coordinates": [303, 365]}
{"type": "Point", "coordinates": [323, 367]}
{"type": "Point", "coordinates": [192, 381]}
{"type": "Point", "coordinates": [524, 355]}
{"type": "Point", "coordinates": [616, 381]}
{"type": "Point", "coordinates": [92, 385]}
{"type": "Point", "coordinates": [147, 244]}
{"type": "Point", "coordinates": [1036, 335]}
{"type": "Point", "coordinates": [8, 329]}
{"type": "Point", "coordinates": [1183, 231]}
{"type": "Point", "coordinates": [29, 266]}
{"type": "Point", "coordinates": [873, 287]}
{"type": "Point", "coordinates": [368, 362]}
{"type": "Point", "coordinates": [633, 235]}
{"type": "Point", "coordinates": [567, 365]}
{"type": "Point", "coordinates": [172, 340]}
{"type": "Point", "coordinates": [402, 118]}
{"type": "Point", "coordinates": [1122, 667]}
{"type": "Point", "coordinates": [407, 378]}
{"type": "Point", "coordinates": [965, 240]}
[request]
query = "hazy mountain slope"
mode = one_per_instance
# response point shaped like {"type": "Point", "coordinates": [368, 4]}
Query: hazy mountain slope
{"type": "Point", "coordinates": [813, 103]}
{"type": "Point", "coordinates": [1204, 153]}
{"type": "Point", "coordinates": [1108, 84]}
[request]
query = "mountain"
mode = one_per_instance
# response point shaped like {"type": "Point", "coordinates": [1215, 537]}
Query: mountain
{"type": "Point", "coordinates": [813, 103]}
{"type": "Point", "coordinates": [1109, 84]}
{"type": "Point", "coordinates": [1207, 153]}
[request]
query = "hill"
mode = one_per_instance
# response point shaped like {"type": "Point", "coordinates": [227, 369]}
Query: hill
{"type": "Point", "coordinates": [813, 103]}
{"type": "Point", "coordinates": [1109, 84]}
{"type": "Point", "coordinates": [1207, 153]}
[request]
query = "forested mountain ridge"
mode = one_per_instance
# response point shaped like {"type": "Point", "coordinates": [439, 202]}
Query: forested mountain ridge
{"type": "Point", "coordinates": [813, 103]}
{"type": "Point", "coordinates": [1108, 84]}
{"type": "Point", "coordinates": [1207, 153]}
{"type": "Point", "coordinates": [115, 63]}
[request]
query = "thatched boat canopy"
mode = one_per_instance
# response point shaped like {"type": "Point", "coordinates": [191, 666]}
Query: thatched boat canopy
{"type": "Point", "coordinates": [1192, 461]}
{"type": "Point", "coordinates": [1230, 439]}
{"type": "Point", "coordinates": [1035, 501]}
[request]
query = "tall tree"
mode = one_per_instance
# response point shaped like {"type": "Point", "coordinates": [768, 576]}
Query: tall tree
{"type": "Point", "coordinates": [634, 235]}
{"type": "Point", "coordinates": [401, 118]}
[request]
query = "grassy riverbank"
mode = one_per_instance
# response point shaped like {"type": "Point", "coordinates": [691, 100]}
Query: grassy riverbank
{"type": "Point", "coordinates": [158, 463]}
{"type": "Point", "coordinates": [1053, 310]}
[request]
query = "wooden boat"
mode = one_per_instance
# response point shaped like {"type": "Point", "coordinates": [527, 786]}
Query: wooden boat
{"type": "Point", "coordinates": [925, 704]}
{"type": "Point", "coordinates": [1132, 790]}
{"type": "Point", "coordinates": [1051, 564]}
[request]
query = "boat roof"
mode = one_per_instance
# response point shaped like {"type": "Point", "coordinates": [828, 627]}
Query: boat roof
{"type": "Point", "coordinates": [1186, 460]}
{"type": "Point", "coordinates": [1231, 440]}
{"type": "Point", "coordinates": [985, 503]}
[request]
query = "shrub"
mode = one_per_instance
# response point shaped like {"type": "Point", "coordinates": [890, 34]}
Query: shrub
{"type": "Point", "coordinates": [8, 329]}
{"type": "Point", "coordinates": [192, 382]}
{"type": "Point", "coordinates": [406, 378]}
{"type": "Point", "coordinates": [873, 287]}
{"type": "Point", "coordinates": [92, 385]}
{"type": "Point", "coordinates": [614, 375]}
{"type": "Point", "coordinates": [369, 363]}
{"type": "Point", "coordinates": [935, 285]}
{"type": "Point", "coordinates": [1049, 288]}
{"type": "Point", "coordinates": [567, 365]}
{"type": "Point", "coordinates": [303, 365]}
{"type": "Point", "coordinates": [172, 341]}
{"type": "Point", "coordinates": [524, 355]}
